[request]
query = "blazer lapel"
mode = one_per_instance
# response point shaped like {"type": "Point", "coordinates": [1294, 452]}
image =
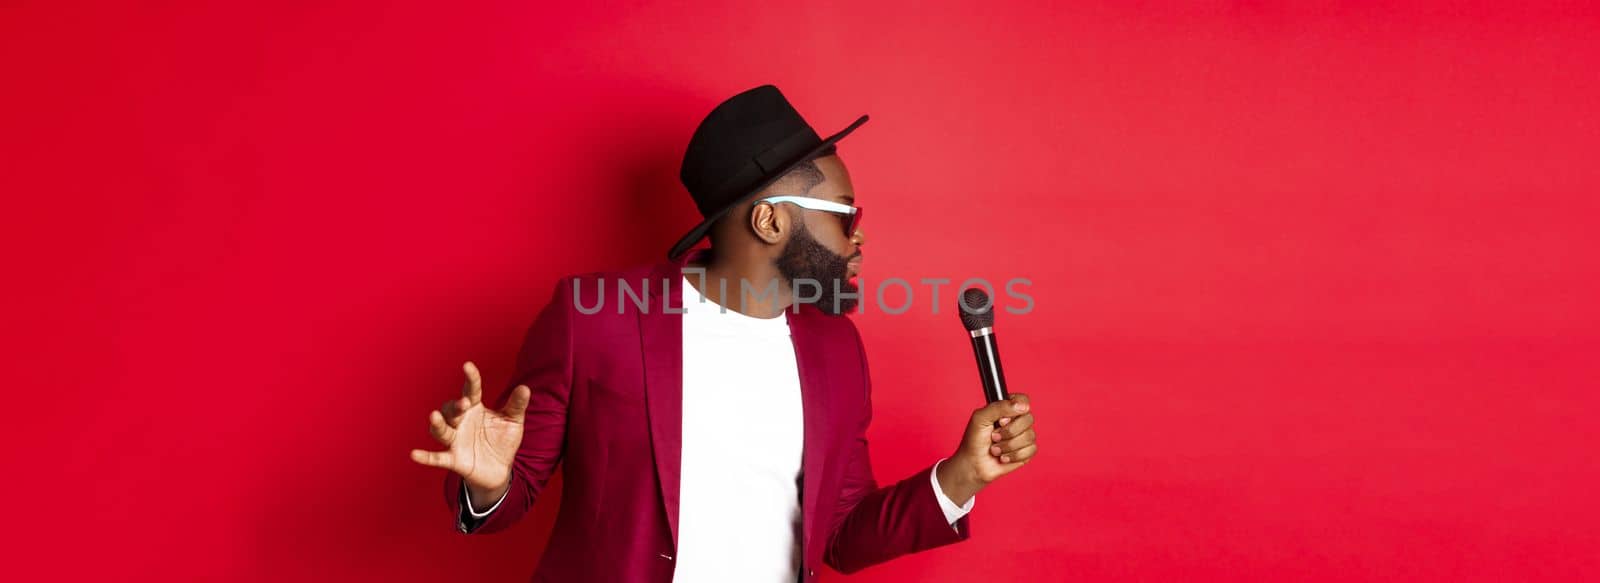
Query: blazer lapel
{"type": "Point", "coordinates": [661, 346]}
{"type": "Point", "coordinates": [811, 360]}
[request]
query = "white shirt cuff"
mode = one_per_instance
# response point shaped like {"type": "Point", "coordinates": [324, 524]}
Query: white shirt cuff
{"type": "Point", "coordinates": [467, 501]}
{"type": "Point", "coordinates": [952, 513]}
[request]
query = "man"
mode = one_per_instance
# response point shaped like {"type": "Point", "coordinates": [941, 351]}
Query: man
{"type": "Point", "coordinates": [711, 416]}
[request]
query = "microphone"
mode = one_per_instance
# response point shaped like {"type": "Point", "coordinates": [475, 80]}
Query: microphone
{"type": "Point", "coordinates": [977, 315]}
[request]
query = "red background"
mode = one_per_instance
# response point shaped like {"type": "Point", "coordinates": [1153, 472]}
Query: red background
{"type": "Point", "coordinates": [1315, 286]}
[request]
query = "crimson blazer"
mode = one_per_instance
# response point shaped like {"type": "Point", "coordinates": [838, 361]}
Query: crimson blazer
{"type": "Point", "coordinates": [607, 405]}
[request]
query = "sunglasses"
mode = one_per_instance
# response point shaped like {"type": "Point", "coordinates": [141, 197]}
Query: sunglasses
{"type": "Point", "coordinates": [849, 215]}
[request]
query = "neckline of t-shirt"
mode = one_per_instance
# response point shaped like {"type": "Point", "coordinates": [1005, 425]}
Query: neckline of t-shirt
{"type": "Point", "coordinates": [693, 300]}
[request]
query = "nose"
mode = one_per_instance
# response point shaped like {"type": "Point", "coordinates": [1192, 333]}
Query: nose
{"type": "Point", "coordinates": [859, 239]}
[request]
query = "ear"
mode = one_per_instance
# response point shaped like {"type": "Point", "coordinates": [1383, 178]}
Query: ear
{"type": "Point", "coordinates": [769, 224]}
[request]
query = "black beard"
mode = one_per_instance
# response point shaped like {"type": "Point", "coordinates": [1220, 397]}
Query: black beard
{"type": "Point", "coordinates": [804, 259]}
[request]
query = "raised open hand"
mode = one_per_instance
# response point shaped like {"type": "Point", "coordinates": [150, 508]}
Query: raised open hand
{"type": "Point", "coordinates": [481, 443]}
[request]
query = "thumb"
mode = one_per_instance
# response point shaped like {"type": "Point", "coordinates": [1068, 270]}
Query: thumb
{"type": "Point", "coordinates": [1010, 407]}
{"type": "Point", "coordinates": [517, 405]}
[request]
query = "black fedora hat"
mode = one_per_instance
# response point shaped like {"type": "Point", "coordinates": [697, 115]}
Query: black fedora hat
{"type": "Point", "coordinates": [741, 147]}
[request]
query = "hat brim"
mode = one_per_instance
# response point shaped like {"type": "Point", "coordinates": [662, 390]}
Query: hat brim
{"type": "Point", "coordinates": [699, 231]}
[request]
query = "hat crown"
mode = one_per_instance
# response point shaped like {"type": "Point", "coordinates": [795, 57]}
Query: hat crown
{"type": "Point", "coordinates": [739, 142]}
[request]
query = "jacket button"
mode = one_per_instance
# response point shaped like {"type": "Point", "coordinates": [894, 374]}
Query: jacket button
{"type": "Point", "coordinates": [810, 573]}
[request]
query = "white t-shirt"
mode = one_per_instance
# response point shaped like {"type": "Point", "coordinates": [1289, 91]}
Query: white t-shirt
{"type": "Point", "coordinates": [743, 438]}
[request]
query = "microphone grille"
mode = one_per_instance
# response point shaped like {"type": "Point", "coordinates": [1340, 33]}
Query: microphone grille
{"type": "Point", "coordinates": [976, 310]}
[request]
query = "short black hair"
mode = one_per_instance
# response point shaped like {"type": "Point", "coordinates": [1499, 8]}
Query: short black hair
{"type": "Point", "coordinates": [805, 176]}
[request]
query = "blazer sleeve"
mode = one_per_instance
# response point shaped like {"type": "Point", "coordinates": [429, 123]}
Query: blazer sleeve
{"type": "Point", "coordinates": [870, 524]}
{"type": "Point", "coordinates": [544, 364]}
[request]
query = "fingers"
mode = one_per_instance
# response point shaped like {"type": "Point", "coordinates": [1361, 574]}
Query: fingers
{"type": "Point", "coordinates": [444, 432]}
{"type": "Point", "coordinates": [1019, 456]}
{"type": "Point", "coordinates": [454, 410]}
{"type": "Point", "coordinates": [1013, 406]}
{"type": "Point", "coordinates": [471, 394]}
{"type": "Point", "coordinates": [517, 405]}
{"type": "Point", "coordinates": [1013, 428]}
{"type": "Point", "coordinates": [473, 389]}
{"type": "Point", "coordinates": [434, 459]}
{"type": "Point", "coordinates": [1014, 444]}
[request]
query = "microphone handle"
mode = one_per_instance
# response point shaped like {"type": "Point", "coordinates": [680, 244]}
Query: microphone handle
{"type": "Point", "coordinates": [988, 355]}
